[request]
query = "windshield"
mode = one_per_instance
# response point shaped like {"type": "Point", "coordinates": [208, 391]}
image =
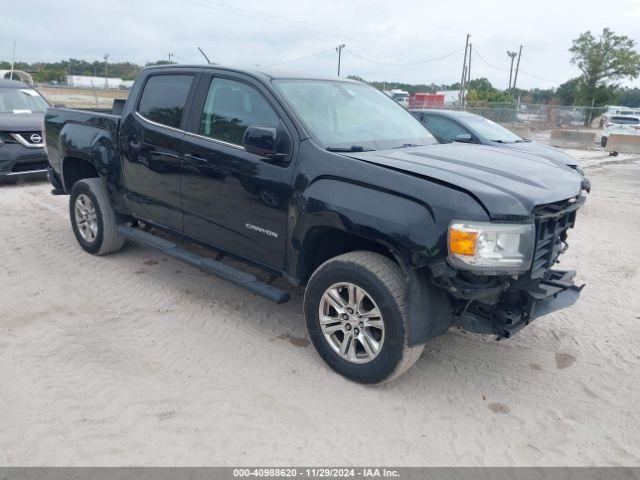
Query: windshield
{"type": "Point", "coordinates": [352, 116]}
{"type": "Point", "coordinates": [21, 100]}
{"type": "Point", "coordinates": [625, 120]}
{"type": "Point", "coordinates": [492, 131]}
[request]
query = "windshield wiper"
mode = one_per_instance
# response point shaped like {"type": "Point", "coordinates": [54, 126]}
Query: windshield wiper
{"type": "Point", "coordinates": [523, 140]}
{"type": "Point", "coordinates": [352, 148]}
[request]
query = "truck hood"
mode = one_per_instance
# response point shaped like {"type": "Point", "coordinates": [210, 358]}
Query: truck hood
{"type": "Point", "coordinates": [508, 183]}
{"type": "Point", "coordinates": [21, 122]}
{"type": "Point", "coordinates": [543, 150]}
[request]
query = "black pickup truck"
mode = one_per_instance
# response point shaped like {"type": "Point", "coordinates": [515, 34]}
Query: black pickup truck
{"type": "Point", "coordinates": [333, 186]}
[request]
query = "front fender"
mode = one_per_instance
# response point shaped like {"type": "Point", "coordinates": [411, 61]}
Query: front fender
{"type": "Point", "coordinates": [404, 226]}
{"type": "Point", "coordinates": [413, 231]}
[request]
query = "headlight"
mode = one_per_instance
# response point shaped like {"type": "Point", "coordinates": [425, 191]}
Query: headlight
{"type": "Point", "coordinates": [491, 248]}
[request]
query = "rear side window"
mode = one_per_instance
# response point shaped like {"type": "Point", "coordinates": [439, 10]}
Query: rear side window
{"type": "Point", "coordinates": [443, 128]}
{"type": "Point", "coordinates": [164, 99]}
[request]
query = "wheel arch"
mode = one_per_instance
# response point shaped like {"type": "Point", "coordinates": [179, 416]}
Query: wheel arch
{"type": "Point", "coordinates": [338, 217]}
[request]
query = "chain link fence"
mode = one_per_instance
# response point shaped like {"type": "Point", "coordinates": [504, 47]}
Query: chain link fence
{"type": "Point", "coordinates": [536, 115]}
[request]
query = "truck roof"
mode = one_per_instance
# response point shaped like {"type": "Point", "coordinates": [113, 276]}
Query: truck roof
{"type": "Point", "coordinates": [263, 74]}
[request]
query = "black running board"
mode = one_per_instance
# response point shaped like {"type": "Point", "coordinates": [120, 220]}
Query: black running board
{"type": "Point", "coordinates": [209, 265]}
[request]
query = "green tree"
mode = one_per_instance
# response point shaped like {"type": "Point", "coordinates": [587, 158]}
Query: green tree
{"type": "Point", "coordinates": [630, 97]}
{"type": "Point", "coordinates": [601, 60]}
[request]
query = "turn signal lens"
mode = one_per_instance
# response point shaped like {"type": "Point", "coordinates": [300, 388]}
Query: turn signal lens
{"type": "Point", "coordinates": [462, 242]}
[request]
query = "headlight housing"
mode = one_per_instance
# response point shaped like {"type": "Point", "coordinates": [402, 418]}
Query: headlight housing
{"type": "Point", "coordinates": [491, 248]}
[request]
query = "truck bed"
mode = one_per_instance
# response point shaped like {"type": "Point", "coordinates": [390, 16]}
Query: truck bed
{"type": "Point", "coordinates": [79, 134]}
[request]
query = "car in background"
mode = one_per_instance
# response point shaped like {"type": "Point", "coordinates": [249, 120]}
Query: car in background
{"type": "Point", "coordinates": [615, 110]}
{"type": "Point", "coordinates": [400, 96]}
{"type": "Point", "coordinates": [460, 126]}
{"type": "Point", "coordinates": [624, 124]}
{"type": "Point", "coordinates": [22, 111]}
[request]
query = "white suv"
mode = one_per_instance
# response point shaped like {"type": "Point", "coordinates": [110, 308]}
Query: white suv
{"type": "Point", "coordinates": [625, 124]}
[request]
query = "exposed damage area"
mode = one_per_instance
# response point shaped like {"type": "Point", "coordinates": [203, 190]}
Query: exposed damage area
{"type": "Point", "coordinates": [503, 304]}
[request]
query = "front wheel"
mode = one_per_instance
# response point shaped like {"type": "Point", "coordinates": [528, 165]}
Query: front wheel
{"type": "Point", "coordinates": [603, 142]}
{"type": "Point", "coordinates": [356, 317]}
{"type": "Point", "coordinates": [93, 220]}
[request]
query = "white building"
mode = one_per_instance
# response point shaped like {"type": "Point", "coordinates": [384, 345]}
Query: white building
{"type": "Point", "coordinates": [93, 82]}
{"type": "Point", "coordinates": [450, 96]}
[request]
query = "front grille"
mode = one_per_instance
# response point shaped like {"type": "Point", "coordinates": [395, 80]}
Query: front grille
{"type": "Point", "coordinates": [28, 139]}
{"type": "Point", "coordinates": [552, 223]}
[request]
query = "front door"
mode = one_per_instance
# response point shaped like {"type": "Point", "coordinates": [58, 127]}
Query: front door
{"type": "Point", "coordinates": [233, 199]}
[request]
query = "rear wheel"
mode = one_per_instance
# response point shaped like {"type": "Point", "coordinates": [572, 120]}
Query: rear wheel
{"type": "Point", "coordinates": [356, 317]}
{"type": "Point", "coordinates": [93, 220]}
{"type": "Point", "coordinates": [603, 142]}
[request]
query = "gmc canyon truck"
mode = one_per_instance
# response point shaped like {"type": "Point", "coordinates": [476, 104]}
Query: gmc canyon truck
{"type": "Point", "coordinates": [332, 185]}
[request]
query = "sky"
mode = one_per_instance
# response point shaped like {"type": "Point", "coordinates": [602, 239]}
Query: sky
{"type": "Point", "coordinates": [411, 41]}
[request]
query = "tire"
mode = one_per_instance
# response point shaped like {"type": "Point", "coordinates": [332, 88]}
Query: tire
{"type": "Point", "coordinates": [603, 142]}
{"type": "Point", "coordinates": [383, 285]}
{"type": "Point", "coordinates": [98, 233]}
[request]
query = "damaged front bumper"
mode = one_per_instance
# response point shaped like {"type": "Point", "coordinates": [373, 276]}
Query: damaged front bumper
{"type": "Point", "coordinates": [517, 308]}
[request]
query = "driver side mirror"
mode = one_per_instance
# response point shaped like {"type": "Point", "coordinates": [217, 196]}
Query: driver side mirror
{"type": "Point", "coordinates": [463, 138]}
{"type": "Point", "coordinates": [262, 141]}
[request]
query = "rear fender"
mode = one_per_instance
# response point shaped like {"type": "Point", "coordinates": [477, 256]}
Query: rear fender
{"type": "Point", "coordinates": [93, 145]}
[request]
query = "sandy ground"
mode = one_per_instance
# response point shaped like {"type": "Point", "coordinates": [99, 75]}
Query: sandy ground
{"type": "Point", "coordinates": [81, 97]}
{"type": "Point", "coordinates": [136, 359]}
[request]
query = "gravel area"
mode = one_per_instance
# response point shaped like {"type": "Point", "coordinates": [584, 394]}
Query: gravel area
{"type": "Point", "coordinates": [138, 359]}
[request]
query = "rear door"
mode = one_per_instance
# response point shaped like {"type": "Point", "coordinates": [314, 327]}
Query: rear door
{"type": "Point", "coordinates": [232, 199]}
{"type": "Point", "coordinates": [151, 133]}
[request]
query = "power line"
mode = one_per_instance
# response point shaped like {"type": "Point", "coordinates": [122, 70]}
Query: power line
{"type": "Point", "coordinates": [521, 71]}
{"type": "Point", "coordinates": [300, 58]}
{"type": "Point", "coordinates": [214, 4]}
{"type": "Point", "coordinates": [487, 63]}
{"type": "Point", "coordinates": [422, 62]}
{"type": "Point", "coordinates": [386, 12]}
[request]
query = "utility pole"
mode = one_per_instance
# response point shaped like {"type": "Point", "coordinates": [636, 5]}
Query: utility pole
{"type": "Point", "coordinates": [512, 55]}
{"type": "Point", "coordinates": [106, 82]}
{"type": "Point", "coordinates": [515, 78]}
{"type": "Point", "coordinates": [464, 66]}
{"type": "Point", "coordinates": [469, 65]}
{"type": "Point", "coordinates": [339, 50]}
{"type": "Point", "coordinates": [13, 60]}
{"type": "Point", "coordinates": [170, 55]}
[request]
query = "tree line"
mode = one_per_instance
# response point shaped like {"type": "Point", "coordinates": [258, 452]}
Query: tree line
{"type": "Point", "coordinates": [45, 72]}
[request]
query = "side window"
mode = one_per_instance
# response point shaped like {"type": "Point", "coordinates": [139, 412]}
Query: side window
{"type": "Point", "coordinates": [443, 128]}
{"type": "Point", "coordinates": [231, 107]}
{"type": "Point", "coordinates": [164, 99]}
